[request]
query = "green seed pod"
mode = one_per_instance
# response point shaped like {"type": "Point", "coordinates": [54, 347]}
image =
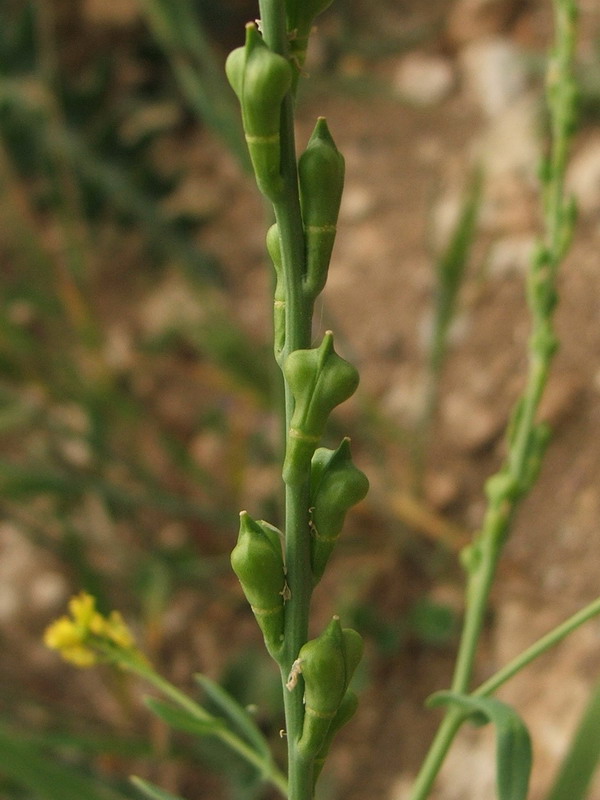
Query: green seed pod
{"type": "Point", "coordinates": [327, 664]}
{"type": "Point", "coordinates": [300, 16]}
{"type": "Point", "coordinates": [336, 485]}
{"type": "Point", "coordinates": [324, 670]}
{"type": "Point", "coordinates": [261, 79]}
{"type": "Point", "coordinates": [274, 250]}
{"type": "Point", "coordinates": [258, 563]}
{"type": "Point", "coordinates": [319, 380]}
{"type": "Point", "coordinates": [343, 715]}
{"type": "Point", "coordinates": [321, 179]}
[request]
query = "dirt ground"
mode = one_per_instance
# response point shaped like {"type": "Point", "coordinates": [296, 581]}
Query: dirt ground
{"type": "Point", "coordinates": [413, 126]}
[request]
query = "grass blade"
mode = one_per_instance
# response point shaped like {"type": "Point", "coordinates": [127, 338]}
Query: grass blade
{"type": "Point", "coordinates": [583, 756]}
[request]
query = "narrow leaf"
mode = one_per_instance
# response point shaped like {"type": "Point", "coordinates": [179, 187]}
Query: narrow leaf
{"type": "Point", "coordinates": [152, 791]}
{"type": "Point", "coordinates": [583, 755]}
{"type": "Point", "coordinates": [513, 745]}
{"type": "Point", "coordinates": [236, 713]}
{"type": "Point", "coordinates": [183, 720]}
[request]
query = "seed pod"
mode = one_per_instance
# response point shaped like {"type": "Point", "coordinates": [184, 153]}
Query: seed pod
{"type": "Point", "coordinates": [324, 670]}
{"type": "Point", "coordinates": [327, 664]}
{"type": "Point", "coordinates": [336, 485]}
{"type": "Point", "coordinates": [300, 16]}
{"type": "Point", "coordinates": [274, 250]}
{"type": "Point", "coordinates": [319, 380]}
{"type": "Point", "coordinates": [321, 179]}
{"type": "Point", "coordinates": [343, 715]}
{"type": "Point", "coordinates": [258, 562]}
{"type": "Point", "coordinates": [261, 79]}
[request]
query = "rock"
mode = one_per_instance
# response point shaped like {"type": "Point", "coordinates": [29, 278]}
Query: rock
{"type": "Point", "coordinates": [424, 80]}
{"type": "Point", "coordinates": [583, 177]}
{"type": "Point", "coordinates": [494, 73]}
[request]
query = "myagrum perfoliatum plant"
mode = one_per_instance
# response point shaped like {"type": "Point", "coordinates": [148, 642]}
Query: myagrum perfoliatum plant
{"type": "Point", "coordinates": [278, 570]}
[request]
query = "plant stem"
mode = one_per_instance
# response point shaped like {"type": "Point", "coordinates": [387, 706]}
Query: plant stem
{"type": "Point", "coordinates": [525, 437]}
{"type": "Point", "coordinates": [542, 645]}
{"type": "Point", "coordinates": [297, 336]}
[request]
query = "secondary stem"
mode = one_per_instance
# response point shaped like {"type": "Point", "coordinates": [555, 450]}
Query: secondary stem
{"type": "Point", "coordinates": [524, 446]}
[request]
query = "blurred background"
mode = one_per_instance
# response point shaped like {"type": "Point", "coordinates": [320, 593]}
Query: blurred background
{"type": "Point", "coordinates": [138, 395]}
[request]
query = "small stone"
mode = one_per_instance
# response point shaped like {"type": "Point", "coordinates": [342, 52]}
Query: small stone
{"type": "Point", "coordinates": [510, 255]}
{"type": "Point", "coordinates": [471, 425]}
{"type": "Point", "coordinates": [424, 80]}
{"type": "Point", "coordinates": [511, 142]}
{"type": "Point", "coordinates": [494, 74]}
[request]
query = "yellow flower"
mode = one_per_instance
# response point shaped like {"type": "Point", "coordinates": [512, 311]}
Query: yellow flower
{"type": "Point", "coordinates": [79, 638]}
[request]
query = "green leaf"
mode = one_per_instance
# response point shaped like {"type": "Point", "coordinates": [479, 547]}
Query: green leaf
{"type": "Point", "coordinates": [513, 745]}
{"type": "Point", "coordinates": [583, 756]}
{"type": "Point", "coordinates": [184, 720]}
{"type": "Point", "coordinates": [152, 791]}
{"type": "Point", "coordinates": [236, 713]}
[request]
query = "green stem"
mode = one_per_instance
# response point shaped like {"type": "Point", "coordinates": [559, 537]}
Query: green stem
{"type": "Point", "coordinates": [297, 336]}
{"type": "Point", "coordinates": [524, 447]}
{"type": "Point", "coordinates": [454, 718]}
{"type": "Point", "coordinates": [436, 754]}
{"type": "Point", "coordinates": [537, 649]}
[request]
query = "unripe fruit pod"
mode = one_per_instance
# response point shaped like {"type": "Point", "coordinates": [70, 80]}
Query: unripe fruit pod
{"type": "Point", "coordinates": [261, 79]}
{"type": "Point", "coordinates": [321, 179]}
{"type": "Point", "coordinates": [336, 485]}
{"type": "Point", "coordinates": [323, 667]}
{"type": "Point", "coordinates": [300, 15]}
{"type": "Point", "coordinates": [327, 664]}
{"type": "Point", "coordinates": [274, 250]}
{"type": "Point", "coordinates": [258, 563]}
{"type": "Point", "coordinates": [319, 380]}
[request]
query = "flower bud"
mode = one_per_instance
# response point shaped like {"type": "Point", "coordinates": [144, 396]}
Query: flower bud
{"type": "Point", "coordinates": [261, 79]}
{"type": "Point", "coordinates": [336, 485]}
{"type": "Point", "coordinates": [319, 381]}
{"type": "Point", "coordinates": [321, 179]}
{"type": "Point", "coordinates": [257, 561]}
